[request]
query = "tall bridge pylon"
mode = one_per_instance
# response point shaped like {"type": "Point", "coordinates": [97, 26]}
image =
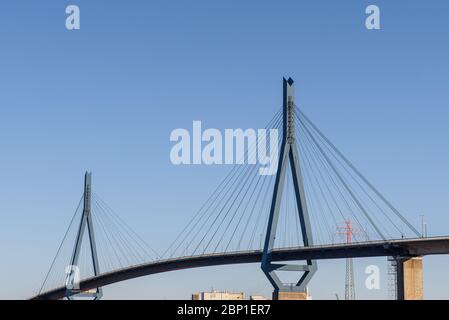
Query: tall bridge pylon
{"type": "Point", "coordinates": [288, 157]}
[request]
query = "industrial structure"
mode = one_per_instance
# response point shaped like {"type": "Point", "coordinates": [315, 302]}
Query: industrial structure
{"type": "Point", "coordinates": [347, 230]}
{"type": "Point", "coordinates": [392, 271]}
{"type": "Point", "coordinates": [218, 295]}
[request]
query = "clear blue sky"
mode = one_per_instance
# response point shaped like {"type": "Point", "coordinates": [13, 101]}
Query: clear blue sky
{"type": "Point", "coordinates": [106, 98]}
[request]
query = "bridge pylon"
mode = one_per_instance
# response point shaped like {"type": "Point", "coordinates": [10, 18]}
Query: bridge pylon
{"type": "Point", "coordinates": [72, 278]}
{"type": "Point", "coordinates": [288, 156]}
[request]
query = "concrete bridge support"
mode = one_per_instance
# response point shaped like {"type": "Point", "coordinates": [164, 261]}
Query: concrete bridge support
{"type": "Point", "coordinates": [410, 278]}
{"type": "Point", "coordinates": [290, 295]}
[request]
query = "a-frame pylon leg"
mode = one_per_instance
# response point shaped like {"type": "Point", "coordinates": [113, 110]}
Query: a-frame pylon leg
{"type": "Point", "coordinates": [288, 156]}
{"type": "Point", "coordinates": [86, 222]}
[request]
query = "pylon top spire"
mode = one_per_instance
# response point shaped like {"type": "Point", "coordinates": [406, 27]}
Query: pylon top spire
{"type": "Point", "coordinates": [289, 110]}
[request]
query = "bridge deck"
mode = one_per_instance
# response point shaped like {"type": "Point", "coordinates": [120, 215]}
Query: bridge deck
{"type": "Point", "coordinates": [403, 247]}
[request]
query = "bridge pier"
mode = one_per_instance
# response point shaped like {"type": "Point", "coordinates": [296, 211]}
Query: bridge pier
{"type": "Point", "coordinates": [410, 278]}
{"type": "Point", "coordinates": [290, 295]}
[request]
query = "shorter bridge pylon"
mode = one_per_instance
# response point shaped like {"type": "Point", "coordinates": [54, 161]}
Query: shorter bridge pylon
{"type": "Point", "coordinates": [72, 271]}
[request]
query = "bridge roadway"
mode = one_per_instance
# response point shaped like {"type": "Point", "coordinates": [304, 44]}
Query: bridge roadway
{"type": "Point", "coordinates": [403, 247]}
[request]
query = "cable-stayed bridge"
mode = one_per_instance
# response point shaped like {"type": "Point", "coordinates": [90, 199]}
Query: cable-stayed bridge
{"type": "Point", "coordinates": [286, 222]}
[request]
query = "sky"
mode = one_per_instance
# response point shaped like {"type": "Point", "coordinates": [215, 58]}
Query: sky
{"type": "Point", "coordinates": [106, 97]}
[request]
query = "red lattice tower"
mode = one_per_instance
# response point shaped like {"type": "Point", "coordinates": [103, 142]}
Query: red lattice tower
{"type": "Point", "coordinates": [348, 231]}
